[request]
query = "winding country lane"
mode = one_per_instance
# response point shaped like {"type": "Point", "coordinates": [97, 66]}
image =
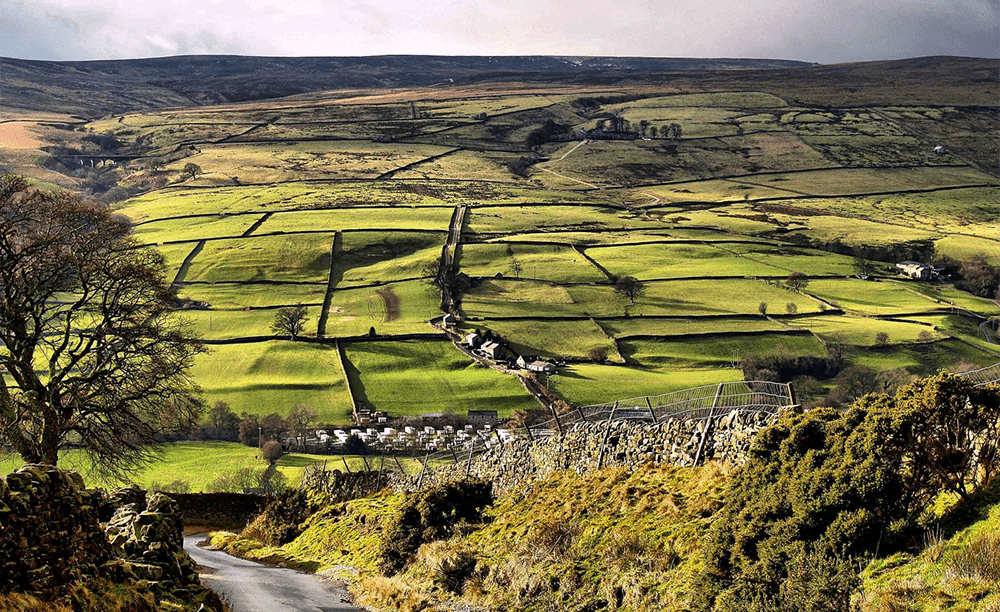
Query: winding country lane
{"type": "Point", "coordinates": [253, 587]}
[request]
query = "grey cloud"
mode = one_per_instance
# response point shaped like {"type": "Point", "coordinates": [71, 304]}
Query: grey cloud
{"type": "Point", "coordinates": [816, 30]}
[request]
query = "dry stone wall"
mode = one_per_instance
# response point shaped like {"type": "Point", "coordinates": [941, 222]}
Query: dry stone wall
{"type": "Point", "coordinates": [682, 442]}
{"type": "Point", "coordinates": [51, 536]}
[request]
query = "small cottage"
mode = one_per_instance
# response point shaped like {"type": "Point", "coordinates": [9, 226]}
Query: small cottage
{"type": "Point", "coordinates": [449, 320]}
{"type": "Point", "coordinates": [493, 350]}
{"type": "Point", "coordinates": [473, 340]}
{"type": "Point", "coordinates": [916, 270]}
{"type": "Point", "coordinates": [542, 367]}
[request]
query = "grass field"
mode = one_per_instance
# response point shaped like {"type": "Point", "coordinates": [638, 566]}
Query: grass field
{"type": "Point", "coordinates": [412, 378]}
{"type": "Point", "coordinates": [492, 219]}
{"type": "Point", "coordinates": [551, 338]}
{"type": "Point", "coordinates": [200, 463]}
{"type": "Point", "coordinates": [274, 376]}
{"type": "Point", "coordinates": [395, 308]}
{"type": "Point", "coordinates": [304, 258]}
{"type": "Point", "coordinates": [714, 351]}
{"type": "Point", "coordinates": [423, 218]}
{"type": "Point", "coordinates": [269, 163]}
{"type": "Point", "coordinates": [681, 260]}
{"type": "Point", "coordinates": [648, 326]}
{"type": "Point", "coordinates": [238, 296]}
{"type": "Point", "coordinates": [860, 331]}
{"type": "Point", "coordinates": [558, 264]}
{"type": "Point", "coordinates": [378, 257]}
{"type": "Point", "coordinates": [499, 298]}
{"type": "Point", "coordinates": [753, 171]}
{"type": "Point", "coordinates": [587, 384]}
{"type": "Point", "coordinates": [195, 229]}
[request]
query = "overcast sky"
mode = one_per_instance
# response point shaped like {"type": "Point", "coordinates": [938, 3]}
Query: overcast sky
{"type": "Point", "coordinates": [813, 30]}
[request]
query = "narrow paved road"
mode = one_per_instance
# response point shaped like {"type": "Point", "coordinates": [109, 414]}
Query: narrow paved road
{"type": "Point", "coordinates": [253, 587]}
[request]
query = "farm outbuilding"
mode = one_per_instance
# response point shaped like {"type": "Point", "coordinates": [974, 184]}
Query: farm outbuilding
{"type": "Point", "coordinates": [449, 320]}
{"type": "Point", "coordinates": [939, 150]}
{"type": "Point", "coordinates": [493, 350]}
{"type": "Point", "coordinates": [483, 417]}
{"type": "Point", "coordinates": [473, 340]}
{"type": "Point", "coordinates": [916, 270]}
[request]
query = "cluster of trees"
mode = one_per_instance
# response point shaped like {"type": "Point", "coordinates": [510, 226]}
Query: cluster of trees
{"type": "Point", "coordinates": [616, 124]}
{"type": "Point", "coordinates": [824, 489]}
{"type": "Point", "coordinates": [221, 423]}
{"type": "Point", "coordinates": [544, 134]}
{"type": "Point", "coordinates": [979, 277]}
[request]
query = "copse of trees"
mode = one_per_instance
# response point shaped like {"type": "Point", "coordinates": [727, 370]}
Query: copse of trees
{"type": "Point", "coordinates": [824, 488]}
{"type": "Point", "coordinates": [92, 355]}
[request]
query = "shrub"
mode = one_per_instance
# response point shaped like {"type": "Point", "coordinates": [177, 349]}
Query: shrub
{"type": "Point", "coordinates": [281, 521]}
{"type": "Point", "coordinates": [271, 451]}
{"type": "Point", "coordinates": [431, 515]}
{"type": "Point", "coordinates": [598, 354]}
{"type": "Point", "coordinates": [825, 486]}
{"type": "Point", "coordinates": [979, 558]}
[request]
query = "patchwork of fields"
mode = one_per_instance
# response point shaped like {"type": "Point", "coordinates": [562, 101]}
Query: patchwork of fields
{"type": "Point", "coordinates": [345, 207]}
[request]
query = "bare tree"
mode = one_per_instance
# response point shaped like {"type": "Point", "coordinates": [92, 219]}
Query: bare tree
{"type": "Point", "coordinates": [91, 354]}
{"type": "Point", "coordinates": [797, 281]}
{"type": "Point", "coordinates": [630, 287]}
{"type": "Point", "coordinates": [290, 321]}
{"type": "Point", "coordinates": [300, 420]}
{"type": "Point", "coordinates": [516, 267]}
{"type": "Point", "coordinates": [762, 308]}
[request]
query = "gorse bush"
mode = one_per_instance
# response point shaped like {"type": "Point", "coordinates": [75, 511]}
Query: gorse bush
{"type": "Point", "coordinates": [433, 514]}
{"type": "Point", "coordinates": [282, 520]}
{"type": "Point", "coordinates": [825, 487]}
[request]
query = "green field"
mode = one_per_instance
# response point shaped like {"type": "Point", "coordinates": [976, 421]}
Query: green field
{"type": "Point", "coordinates": [714, 351]}
{"type": "Point", "coordinates": [264, 258]}
{"type": "Point", "coordinates": [414, 377]}
{"type": "Point", "coordinates": [554, 263]}
{"type": "Point", "coordinates": [551, 338]}
{"type": "Point", "coordinates": [422, 218]}
{"type": "Point", "coordinates": [274, 376]}
{"type": "Point", "coordinates": [586, 384]}
{"type": "Point", "coordinates": [198, 464]}
{"type": "Point", "coordinates": [500, 298]}
{"type": "Point", "coordinates": [755, 176]}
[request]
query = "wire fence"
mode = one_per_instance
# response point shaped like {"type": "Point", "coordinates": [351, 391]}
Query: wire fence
{"type": "Point", "coordinates": [983, 376]}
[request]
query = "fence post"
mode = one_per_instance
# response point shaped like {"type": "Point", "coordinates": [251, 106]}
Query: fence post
{"type": "Point", "coordinates": [347, 467]}
{"type": "Point", "coordinates": [607, 432]}
{"type": "Point", "coordinates": [791, 395]}
{"type": "Point", "coordinates": [420, 479]}
{"type": "Point", "coordinates": [468, 464]}
{"type": "Point", "coordinates": [528, 429]}
{"type": "Point", "coordinates": [399, 465]}
{"type": "Point", "coordinates": [583, 417]}
{"type": "Point", "coordinates": [368, 468]}
{"type": "Point", "coordinates": [499, 439]}
{"type": "Point", "coordinates": [378, 480]}
{"type": "Point", "coordinates": [453, 455]}
{"type": "Point", "coordinates": [708, 425]}
{"type": "Point", "coordinates": [552, 408]}
{"type": "Point", "coordinates": [649, 405]}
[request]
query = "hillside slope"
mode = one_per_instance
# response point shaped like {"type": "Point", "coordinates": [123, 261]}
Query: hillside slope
{"type": "Point", "coordinates": [95, 88]}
